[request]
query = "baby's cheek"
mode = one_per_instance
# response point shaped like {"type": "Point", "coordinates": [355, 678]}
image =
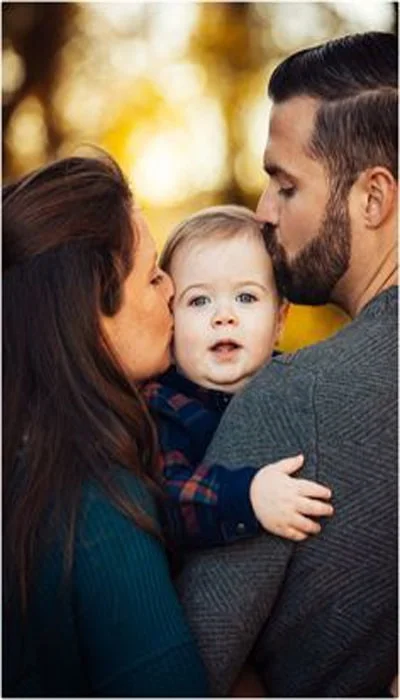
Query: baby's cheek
{"type": "Point", "coordinates": [264, 333]}
{"type": "Point", "coordinates": [181, 339]}
{"type": "Point", "coordinates": [188, 343]}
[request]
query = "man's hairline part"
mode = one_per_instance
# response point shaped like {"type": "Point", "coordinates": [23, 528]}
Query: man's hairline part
{"type": "Point", "coordinates": [271, 168]}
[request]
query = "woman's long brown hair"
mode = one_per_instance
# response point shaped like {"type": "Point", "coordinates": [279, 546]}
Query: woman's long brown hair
{"type": "Point", "coordinates": [68, 408]}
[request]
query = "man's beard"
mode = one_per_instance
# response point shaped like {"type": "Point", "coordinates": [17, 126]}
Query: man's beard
{"type": "Point", "coordinates": [314, 272]}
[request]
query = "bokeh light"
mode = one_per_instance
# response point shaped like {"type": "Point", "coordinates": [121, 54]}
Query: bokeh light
{"type": "Point", "coordinates": [176, 91]}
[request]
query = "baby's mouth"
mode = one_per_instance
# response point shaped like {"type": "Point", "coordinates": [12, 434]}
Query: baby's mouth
{"type": "Point", "coordinates": [224, 346]}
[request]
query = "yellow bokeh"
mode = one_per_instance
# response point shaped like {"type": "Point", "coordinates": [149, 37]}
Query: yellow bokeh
{"type": "Point", "coordinates": [306, 325]}
{"type": "Point", "coordinates": [176, 92]}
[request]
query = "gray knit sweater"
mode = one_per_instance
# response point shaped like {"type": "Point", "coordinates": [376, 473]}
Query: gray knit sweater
{"type": "Point", "coordinates": [322, 614]}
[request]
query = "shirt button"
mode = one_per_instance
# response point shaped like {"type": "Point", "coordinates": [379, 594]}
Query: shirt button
{"type": "Point", "coordinates": [240, 529]}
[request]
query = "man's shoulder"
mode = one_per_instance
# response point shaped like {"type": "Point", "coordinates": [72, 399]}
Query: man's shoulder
{"type": "Point", "coordinates": [294, 368]}
{"type": "Point", "coordinates": [366, 341]}
{"type": "Point", "coordinates": [360, 355]}
{"type": "Point", "coordinates": [311, 360]}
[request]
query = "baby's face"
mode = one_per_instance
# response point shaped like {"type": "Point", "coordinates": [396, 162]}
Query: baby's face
{"type": "Point", "coordinates": [226, 310]}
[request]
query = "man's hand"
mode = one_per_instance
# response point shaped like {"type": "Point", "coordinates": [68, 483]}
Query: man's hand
{"type": "Point", "coordinates": [282, 502]}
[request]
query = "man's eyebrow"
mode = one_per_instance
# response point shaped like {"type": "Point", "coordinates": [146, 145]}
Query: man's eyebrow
{"type": "Point", "coordinates": [274, 170]}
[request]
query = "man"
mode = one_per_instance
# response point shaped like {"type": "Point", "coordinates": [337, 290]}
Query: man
{"type": "Point", "coordinates": [322, 612]}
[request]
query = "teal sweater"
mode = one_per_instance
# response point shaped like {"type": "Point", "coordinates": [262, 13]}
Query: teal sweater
{"type": "Point", "coordinates": [117, 628]}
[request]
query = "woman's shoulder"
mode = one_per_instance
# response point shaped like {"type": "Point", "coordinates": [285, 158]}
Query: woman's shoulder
{"type": "Point", "coordinates": [124, 480]}
{"type": "Point", "coordinates": [102, 519]}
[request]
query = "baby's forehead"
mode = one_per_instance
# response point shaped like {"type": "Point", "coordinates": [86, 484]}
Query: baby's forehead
{"type": "Point", "coordinates": [220, 238]}
{"type": "Point", "coordinates": [230, 259]}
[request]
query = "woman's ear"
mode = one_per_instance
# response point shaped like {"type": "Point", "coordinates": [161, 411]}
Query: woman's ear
{"type": "Point", "coordinates": [380, 195]}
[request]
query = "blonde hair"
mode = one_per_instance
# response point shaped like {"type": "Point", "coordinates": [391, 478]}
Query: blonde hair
{"type": "Point", "coordinates": [216, 222]}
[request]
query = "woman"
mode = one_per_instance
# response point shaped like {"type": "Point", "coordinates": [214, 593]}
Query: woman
{"type": "Point", "coordinates": [89, 606]}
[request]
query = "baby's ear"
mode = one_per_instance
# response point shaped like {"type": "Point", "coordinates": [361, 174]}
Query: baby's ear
{"type": "Point", "coordinates": [283, 311]}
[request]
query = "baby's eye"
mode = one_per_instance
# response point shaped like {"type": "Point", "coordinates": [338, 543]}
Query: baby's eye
{"type": "Point", "coordinates": [246, 298]}
{"type": "Point", "coordinates": [200, 300]}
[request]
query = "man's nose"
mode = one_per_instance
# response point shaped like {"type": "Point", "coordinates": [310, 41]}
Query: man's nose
{"type": "Point", "coordinates": [267, 208]}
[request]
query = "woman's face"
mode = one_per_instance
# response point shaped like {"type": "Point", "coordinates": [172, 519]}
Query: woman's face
{"type": "Point", "coordinates": [140, 332]}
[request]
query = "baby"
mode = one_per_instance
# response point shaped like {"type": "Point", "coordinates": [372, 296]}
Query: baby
{"type": "Point", "coordinates": [228, 317]}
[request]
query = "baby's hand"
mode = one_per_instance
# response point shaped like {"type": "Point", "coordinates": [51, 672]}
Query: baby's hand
{"type": "Point", "coordinates": [281, 502]}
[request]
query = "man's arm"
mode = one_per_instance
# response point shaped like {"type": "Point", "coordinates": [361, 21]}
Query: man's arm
{"type": "Point", "coordinates": [229, 593]}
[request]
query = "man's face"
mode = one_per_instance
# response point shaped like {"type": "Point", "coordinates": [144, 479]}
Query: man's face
{"type": "Point", "coordinates": [307, 225]}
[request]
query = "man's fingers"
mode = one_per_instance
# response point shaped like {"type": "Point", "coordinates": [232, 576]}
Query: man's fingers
{"type": "Point", "coordinates": [309, 506]}
{"type": "Point", "coordinates": [289, 465]}
{"type": "Point", "coordinates": [312, 489]}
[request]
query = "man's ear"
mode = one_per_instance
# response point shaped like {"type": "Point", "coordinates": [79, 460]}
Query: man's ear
{"type": "Point", "coordinates": [380, 196]}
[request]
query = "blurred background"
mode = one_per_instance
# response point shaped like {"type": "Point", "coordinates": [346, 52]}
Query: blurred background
{"type": "Point", "coordinates": [175, 91]}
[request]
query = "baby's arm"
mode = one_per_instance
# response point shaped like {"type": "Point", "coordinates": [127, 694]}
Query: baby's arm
{"type": "Point", "coordinates": [219, 506]}
{"type": "Point", "coordinates": [211, 504]}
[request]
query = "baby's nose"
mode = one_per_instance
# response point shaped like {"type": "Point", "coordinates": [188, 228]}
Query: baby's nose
{"type": "Point", "coordinates": [224, 317]}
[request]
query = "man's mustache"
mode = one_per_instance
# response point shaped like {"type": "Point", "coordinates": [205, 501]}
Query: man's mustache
{"type": "Point", "coordinates": [267, 229]}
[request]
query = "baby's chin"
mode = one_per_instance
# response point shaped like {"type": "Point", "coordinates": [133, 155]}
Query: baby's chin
{"type": "Point", "coordinates": [229, 386]}
{"type": "Point", "coordinates": [210, 380]}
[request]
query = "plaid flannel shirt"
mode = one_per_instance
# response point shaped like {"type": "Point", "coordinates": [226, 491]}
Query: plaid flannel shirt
{"type": "Point", "coordinates": [209, 504]}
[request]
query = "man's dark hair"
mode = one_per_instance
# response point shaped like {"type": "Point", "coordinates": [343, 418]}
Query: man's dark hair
{"type": "Point", "coordinates": [355, 78]}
